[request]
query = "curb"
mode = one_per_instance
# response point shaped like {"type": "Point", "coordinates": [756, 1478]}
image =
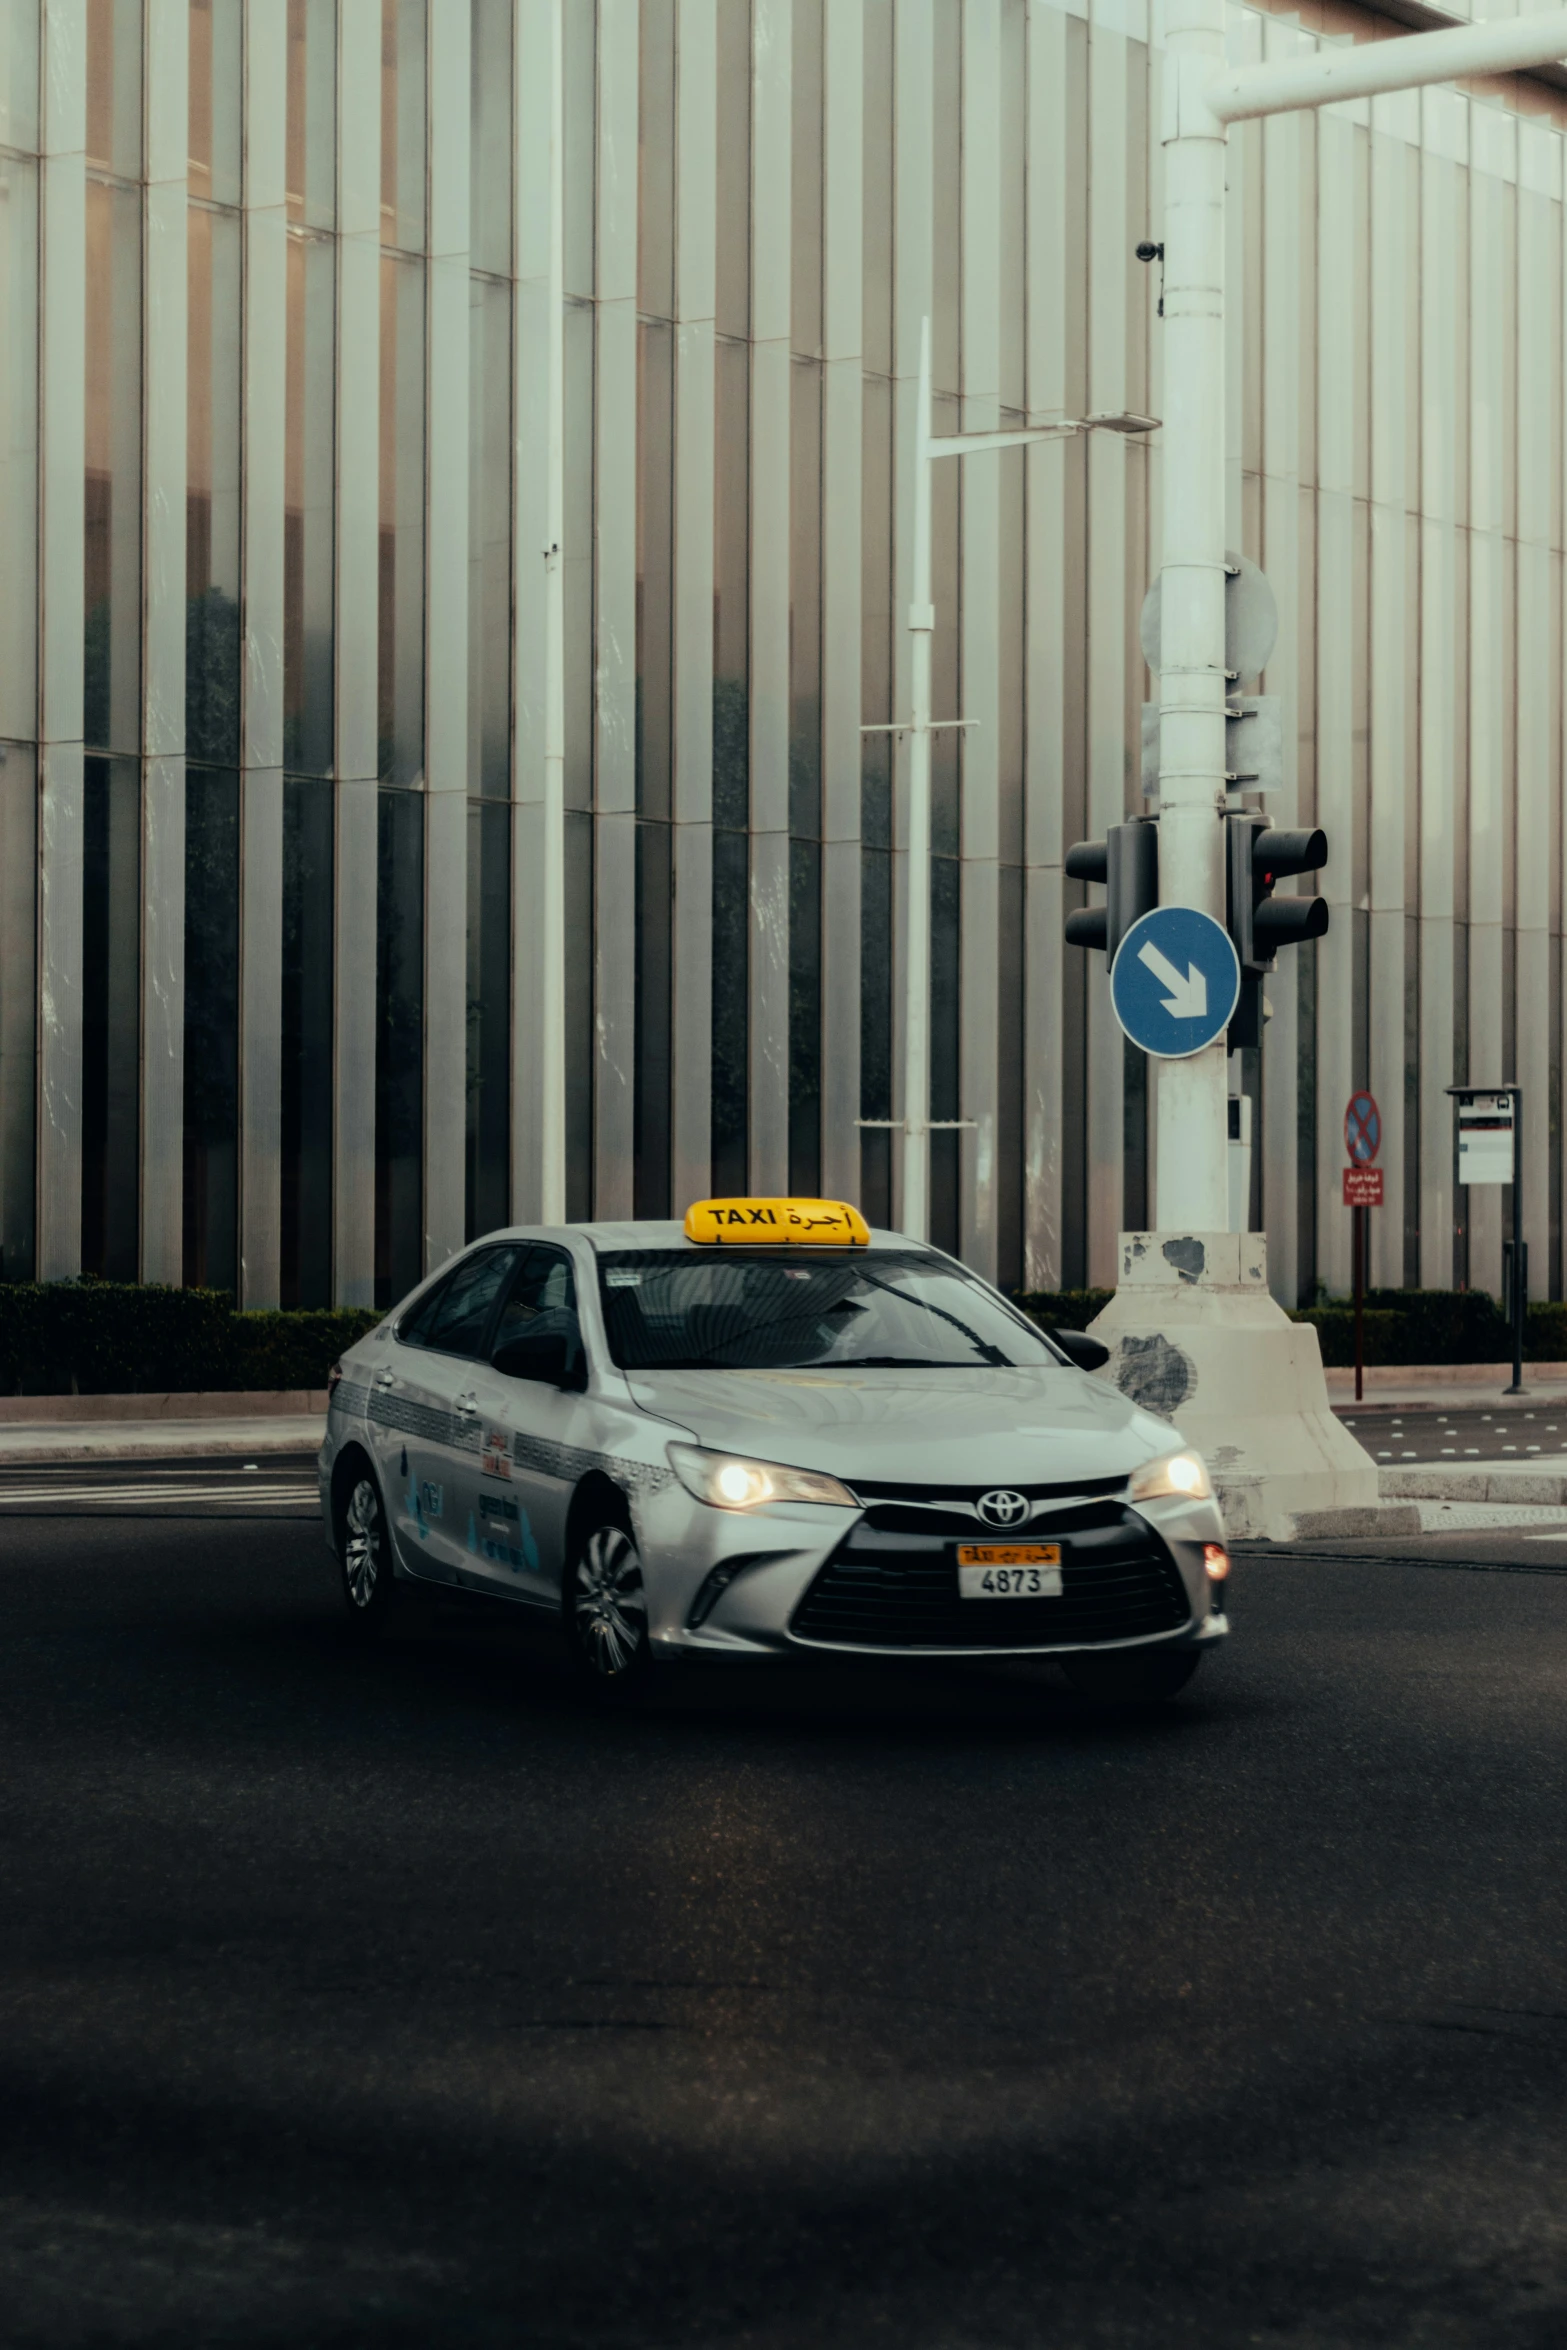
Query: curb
{"type": "Point", "coordinates": [59, 1411]}
{"type": "Point", "coordinates": [151, 1440]}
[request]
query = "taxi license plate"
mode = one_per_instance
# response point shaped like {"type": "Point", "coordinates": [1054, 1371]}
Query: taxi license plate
{"type": "Point", "coordinates": [1009, 1570]}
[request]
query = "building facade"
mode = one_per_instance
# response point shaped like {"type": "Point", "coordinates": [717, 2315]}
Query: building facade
{"type": "Point", "coordinates": [273, 382]}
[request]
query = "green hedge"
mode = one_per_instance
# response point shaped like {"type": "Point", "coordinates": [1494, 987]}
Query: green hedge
{"type": "Point", "coordinates": [1401, 1325]}
{"type": "Point", "coordinates": [123, 1338]}
{"type": "Point", "coordinates": [1063, 1309]}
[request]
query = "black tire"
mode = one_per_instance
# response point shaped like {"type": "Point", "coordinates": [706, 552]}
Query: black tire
{"type": "Point", "coordinates": [1132, 1676]}
{"type": "Point", "coordinates": [604, 1604]}
{"type": "Point", "coordinates": [364, 1552]}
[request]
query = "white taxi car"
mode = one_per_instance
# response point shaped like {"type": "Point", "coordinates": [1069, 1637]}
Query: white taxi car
{"type": "Point", "coordinates": [767, 1431]}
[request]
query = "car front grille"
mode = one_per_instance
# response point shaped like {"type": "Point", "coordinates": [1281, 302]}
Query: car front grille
{"type": "Point", "coordinates": [870, 1490]}
{"type": "Point", "coordinates": [893, 1583]}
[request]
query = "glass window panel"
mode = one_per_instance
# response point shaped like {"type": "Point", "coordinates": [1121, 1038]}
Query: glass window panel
{"type": "Point", "coordinates": [650, 1106]}
{"type": "Point", "coordinates": [656, 158]}
{"type": "Point", "coordinates": [945, 999]}
{"type": "Point", "coordinates": [19, 74]}
{"type": "Point", "coordinates": [876, 250]}
{"type": "Point", "coordinates": [399, 1045]}
{"type": "Point", "coordinates": [946, 641]}
{"type": "Point", "coordinates": [212, 634]}
{"type": "Point", "coordinates": [490, 196]}
{"type": "Point", "coordinates": [655, 560]}
{"type": "Point", "coordinates": [308, 429]}
{"type": "Point", "coordinates": [489, 536]}
{"type": "Point", "coordinates": [312, 108]}
{"type": "Point", "coordinates": [805, 599]}
{"type": "Point", "coordinates": [306, 1155]}
{"type": "Point", "coordinates": [1011, 465]}
{"type": "Point", "coordinates": [111, 1024]}
{"type": "Point", "coordinates": [805, 177]}
{"type": "Point", "coordinates": [876, 633]}
{"type": "Point", "coordinates": [402, 123]}
{"type": "Point", "coordinates": [578, 555]}
{"type": "Point", "coordinates": [114, 86]}
{"type": "Point", "coordinates": [18, 1009]}
{"type": "Point", "coordinates": [731, 1024]}
{"type": "Point", "coordinates": [1014, 201]}
{"type": "Point", "coordinates": [488, 1202]}
{"type": "Point", "coordinates": [876, 1032]}
{"type": "Point", "coordinates": [733, 255]}
{"type": "Point", "coordinates": [19, 441]}
{"type": "Point", "coordinates": [805, 1017]}
{"type": "Point", "coordinates": [401, 660]}
{"type": "Point", "coordinates": [732, 584]}
{"type": "Point", "coordinates": [580, 157]}
{"type": "Point", "coordinates": [211, 1029]}
{"type": "Point", "coordinates": [112, 546]}
{"type": "Point", "coordinates": [216, 58]}
{"type": "Point", "coordinates": [579, 1014]}
{"type": "Point", "coordinates": [1010, 1089]}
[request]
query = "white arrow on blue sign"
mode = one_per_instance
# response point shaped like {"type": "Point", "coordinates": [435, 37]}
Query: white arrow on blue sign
{"type": "Point", "coordinates": [1175, 982]}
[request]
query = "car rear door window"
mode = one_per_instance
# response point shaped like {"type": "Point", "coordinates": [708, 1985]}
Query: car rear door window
{"type": "Point", "coordinates": [461, 1319]}
{"type": "Point", "coordinates": [543, 1298]}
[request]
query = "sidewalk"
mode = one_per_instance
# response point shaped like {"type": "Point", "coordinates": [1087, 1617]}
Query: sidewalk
{"type": "Point", "coordinates": [1442, 1387]}
{"type": "Point", "coordinates": [36, 1429]}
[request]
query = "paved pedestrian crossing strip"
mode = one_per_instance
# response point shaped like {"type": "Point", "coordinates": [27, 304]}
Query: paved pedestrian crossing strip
{"type": "Point", "coordinates": [237, 1490]}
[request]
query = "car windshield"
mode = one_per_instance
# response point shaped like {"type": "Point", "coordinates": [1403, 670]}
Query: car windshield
{"type": "Point", "coordinates": [777, 1309]}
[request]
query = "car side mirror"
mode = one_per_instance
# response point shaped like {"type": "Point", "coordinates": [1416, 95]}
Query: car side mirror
{"type": "Point", "coordinates": [546, 1355]}
{"type": "Point", "coordinates": [1089, 1354]}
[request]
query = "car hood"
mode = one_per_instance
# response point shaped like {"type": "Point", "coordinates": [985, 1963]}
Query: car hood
{"type": "Point", "coordinates": [916, 1427]}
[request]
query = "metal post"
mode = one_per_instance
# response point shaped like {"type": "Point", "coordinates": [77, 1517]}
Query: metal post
{"type": "Point", "coordinates": [1359, 1215]}
{"type": "Point", "coordinates": [552, 941]}
{"type": "Point", "coordinates": [1191, 1181]}
{"type": "Point", "coordinates": [914, 1217]}
{"type": "Point", "coordinates": [1520, 1282]}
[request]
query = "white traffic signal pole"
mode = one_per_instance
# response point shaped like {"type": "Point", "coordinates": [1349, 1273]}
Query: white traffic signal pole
{"type": "Point", "coordinates": [1201, 100]}
{"type": "Point", "coordinates": [916, 1124]}
{"type": "Point", "coordinates": [552, 939]}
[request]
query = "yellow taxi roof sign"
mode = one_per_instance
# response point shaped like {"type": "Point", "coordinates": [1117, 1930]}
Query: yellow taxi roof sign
{"type": "Point", "coordinates": [820, 1223]}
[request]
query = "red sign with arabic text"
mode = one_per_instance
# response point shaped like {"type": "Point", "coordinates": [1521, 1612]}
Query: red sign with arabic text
{"type": "Point", "coordinates": [1362, 1187]}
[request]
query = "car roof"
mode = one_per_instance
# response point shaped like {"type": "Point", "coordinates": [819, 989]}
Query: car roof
{"type": "Point", "coordinates": [656, 1234]}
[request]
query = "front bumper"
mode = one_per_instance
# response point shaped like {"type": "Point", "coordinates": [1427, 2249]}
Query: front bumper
{"type": "Point", "coordinates": [746, 1574]}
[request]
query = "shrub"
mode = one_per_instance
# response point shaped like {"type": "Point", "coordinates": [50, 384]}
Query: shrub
{"type": "Point", "coordinates": [1063, 1309]}
{"type": "Point", "coordinates": [129, 1338]}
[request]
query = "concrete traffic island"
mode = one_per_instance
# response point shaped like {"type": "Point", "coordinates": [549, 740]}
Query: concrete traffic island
{"type": "Point", "coordinates": [1195, 1336]}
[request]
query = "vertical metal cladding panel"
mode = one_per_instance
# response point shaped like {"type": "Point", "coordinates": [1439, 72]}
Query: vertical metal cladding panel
{"type": "Point", "coordinates": [531, 102]}
{"type": "Point", "coordinates": [1286, 143]}
{"type": "Point", "coordinates": [18, 1011]}
{"type": "Point", "coordinates": [769, 696]}
{"type": "Point", "coordinates": [981, 631]}
{"type": "Point", "coordinates": [1536, 764]}
{"type": "Point", "coordinates": [614, 538]}
{"type": "Point", "coordinates": [1491, 167]}
{"type": "Point", "coordinates": [1336, 425]}
{"type": "Point", "coordinates": [357, 540]}
{"type": "Point", "coordinates": [913, 241]}
{"type": "Point", "coordinates": [61, 430]}
{"type": "Point", "coordinates": [1394, 489]}
{"type": "Point", "coordinates": [1055, 46]}
{"type": "Point", "coordinates": [263, 497]}
{"type": "Point", "coordinates": [446, 638]}
{"type": "Point", "coordinates": [1445, 127]}
{"type": "Point", "coordinates": [1111, 234]}
{"type": "Point", "coordinates": [695, 252]}
{"type": "Point", "coordinates": [842, 428]}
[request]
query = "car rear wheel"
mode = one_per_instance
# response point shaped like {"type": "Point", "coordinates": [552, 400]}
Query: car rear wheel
{"type": "Point", "coordinates": [606, 1606]}
{"type": "Point", "coordinates": [1138, 1676]}
{"type": "Point", "coordinates": [365, 1550]}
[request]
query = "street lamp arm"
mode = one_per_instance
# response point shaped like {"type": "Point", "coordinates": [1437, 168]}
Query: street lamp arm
{"type": "Point", "coordinates": [1369, 69]}
{"type": "Point", "coordinates": [964, 444]}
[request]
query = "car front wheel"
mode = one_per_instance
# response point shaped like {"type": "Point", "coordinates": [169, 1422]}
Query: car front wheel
{"type": "Point", "coordinates": [1138, 1676]}
{"type": "Point", "coordinates": [606, 1606]}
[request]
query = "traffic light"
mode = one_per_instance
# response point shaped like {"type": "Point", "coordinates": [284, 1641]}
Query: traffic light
{"type": "Point", "coordinates": [1260, 856]}
{"type": "Point", "coordinates": [1127, 862]}
{"type": "Point", "coordinates": [1257, 857]}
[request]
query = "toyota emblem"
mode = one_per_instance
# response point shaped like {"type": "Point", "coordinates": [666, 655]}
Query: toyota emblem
{"type": "Point", "coordinates": [1003, 1507]}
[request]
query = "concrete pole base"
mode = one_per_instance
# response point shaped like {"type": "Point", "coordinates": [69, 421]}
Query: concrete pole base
{"type": "Point", "coordinates": [1195, 1336]}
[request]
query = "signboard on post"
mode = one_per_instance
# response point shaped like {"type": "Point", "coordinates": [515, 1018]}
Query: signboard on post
{"type": "Point", "coordinates": [1174, 981]}
{"type": "Point", "coordinates": [1362, 1128]}
{"type": "Point", "coordinates": [1486, 1125]}
{"type": "Point", "coordinates": [1362, 1190]}
{"type": "Point", "coordinates": [1362, 1187]}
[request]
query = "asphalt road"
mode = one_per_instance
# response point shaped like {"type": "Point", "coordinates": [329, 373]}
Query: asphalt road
{"type": "Point", "coordinates": [1494, 1432]}
{"type": "Point", "coordinates": [396, 1998]}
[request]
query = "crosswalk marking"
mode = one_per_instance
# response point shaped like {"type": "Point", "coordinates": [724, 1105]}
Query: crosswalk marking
{"type": "Point", "coordinates": [154, 1493]}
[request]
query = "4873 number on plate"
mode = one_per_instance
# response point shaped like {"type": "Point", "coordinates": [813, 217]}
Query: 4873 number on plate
{"type": "Point", "coordinates": [1009, 1570]}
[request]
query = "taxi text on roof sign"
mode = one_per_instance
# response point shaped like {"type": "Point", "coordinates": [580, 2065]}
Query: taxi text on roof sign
{"type": "Point", "coordinates": [826, 1223]}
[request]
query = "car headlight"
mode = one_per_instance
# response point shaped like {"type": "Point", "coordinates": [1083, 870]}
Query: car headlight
{"type": "Point", "coordinates": [728, 1483]}
{"type": "Point", "coordinates": [1184, 1474]}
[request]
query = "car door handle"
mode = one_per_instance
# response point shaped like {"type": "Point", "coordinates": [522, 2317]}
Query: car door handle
{"type": "Point", "coordinates": [386, 1378]}
{"type": "Point", "coordinates": [468, 1404]}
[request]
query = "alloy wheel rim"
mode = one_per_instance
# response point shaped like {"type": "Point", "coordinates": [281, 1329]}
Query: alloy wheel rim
{"type": "Point", "coordinates": [608, 1600]}
{"type": "Point", "coordinates": [362, 1549]}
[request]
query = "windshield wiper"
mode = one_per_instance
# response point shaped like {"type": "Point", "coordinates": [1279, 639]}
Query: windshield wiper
{"type": "Point", "coordinates": [897, 1363]}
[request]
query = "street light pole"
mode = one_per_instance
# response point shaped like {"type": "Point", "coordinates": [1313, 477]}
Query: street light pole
{"type": "Point", "coordinates": [916, 1125]}
{"type": "Point", "coordinates": [552, 928]}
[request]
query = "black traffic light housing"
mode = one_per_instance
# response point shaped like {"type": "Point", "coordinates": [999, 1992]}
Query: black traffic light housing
{"type": "Point", "coordinates": [1259, 855]}
{"type": "Point", "coordinates": [1127, 862]}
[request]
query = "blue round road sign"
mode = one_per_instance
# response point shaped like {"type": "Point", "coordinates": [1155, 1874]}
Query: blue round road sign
{"type": "Point", "coordinates": [1362, 1129]}
{"type": "Point", "coordinates": [1175, 982]}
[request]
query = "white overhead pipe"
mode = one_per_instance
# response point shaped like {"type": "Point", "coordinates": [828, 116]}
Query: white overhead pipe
{"type": "Point", "coordinates": [1368, 69]}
